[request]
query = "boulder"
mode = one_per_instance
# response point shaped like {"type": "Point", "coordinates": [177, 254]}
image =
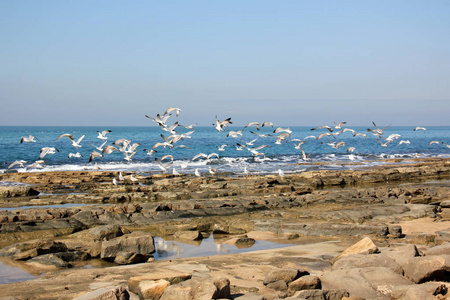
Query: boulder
{"type": "Point", "coordinates": [364, 246]}
{"type": "Point", "coordinates": [401, 254]}
{"type": "Point", "coordinates": [428, 268]}
{"type": "Point", "coordinates": [173, 277]}
{"type": "Point", "coordinates": [127, 258]}
{"type": "Point", "coordinates": [321, 294]}
{"type": "Point", "coordinates": [287, 275]}
{"type": "Point", "coordinates": [226, 229]}
{"type": "Point", "coordinates": [188, 235]}
{"type": "Point", "coordinates": [138, 242]}
{"type": "Point", "coordinates": [369, 283]}
{"type": "Point", "coordinates": [426, 290]}
{"type": "Point", "coordinates": [245, 242]}
{"type": "Point", "coordinates": [17, 191]}
{"type": "Point", "coordinates": [100, 233]}
{"type": "Point", "coordinates": [198, 289]}
{"type": "Point", "coordinates": [307, 282]}
{"type": "Point", "coordinates": [152, 289]}
{"type": "Point", "coordinates": [364, 261]}
{"type": "Point", "coordinates": [30, 249]}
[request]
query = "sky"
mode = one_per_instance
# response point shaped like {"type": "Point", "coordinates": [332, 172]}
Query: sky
{"type": "Point", "coordinates": [292, 62]}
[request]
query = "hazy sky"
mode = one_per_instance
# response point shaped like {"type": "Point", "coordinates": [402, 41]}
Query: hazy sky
{"type": "Point", "coordinates": [291, 62]}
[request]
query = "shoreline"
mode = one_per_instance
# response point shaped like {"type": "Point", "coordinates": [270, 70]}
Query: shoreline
{"type": "Point", "coordinates": [323, 212]}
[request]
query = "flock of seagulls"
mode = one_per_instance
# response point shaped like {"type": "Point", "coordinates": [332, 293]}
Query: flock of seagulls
{"type": "Point", "coordinates": [172, 138]}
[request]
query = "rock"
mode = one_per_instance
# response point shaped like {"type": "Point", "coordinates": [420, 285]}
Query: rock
{"type": "Point", "coordinates": [226, 229]}
{"type": "Point", "coordinates": [106, 293]}
{"type": "Point", "coordinates": [223, 288]}
{"type": "Point", "coordinates": [100, 233]}
{"type": "Point", "coordinates": [438, 250]}
{"type": "Point", "coordinates": [188, 235]}
{"type": "Point", "coordinates": [445, 204]}
{"type": "Point", "coordinates": [152, 289]}
{"type": "Point", "coordinates": [245, 242]}
{"type": "Point", "coordinates": [287, 275]}
{"type": "Point", "coordinates": [250, 296]}
{"type": "Point", "coordinates": [279, 285]}
{"type": "Point", "coordinates": [126, 258]}
{"type": "Point", "coordinates": [173, 277]}
{"type": "Point", "coordinates": [363, 261]}
{"type": "Point", "coordinates": [395, 231]}
{"type": "Point", "coordinates": [369, 283]}
{"type": "Point", "coordinates": [401, 254]}
{"type": "Point", "coordinates": [426, 290]}
{"type": "Point", "coordinates": [30, 249]}
{"type": "Point", "coordinates": [197, 288]}
{"type": "Point", "coordinates": [17, 191]}
{"type": "Point", "coordinates": [138, 242]}
{"type": "Point", "coordinates": [428, 268]}
{"type": "Point", "coordinates": [364, 246]}
{"type": "Point", "coordinates": [321, 294]}
{"type": "Point", "coordinates": [50, 260]}
{"type": "Point", "coordinates": [307, 282]}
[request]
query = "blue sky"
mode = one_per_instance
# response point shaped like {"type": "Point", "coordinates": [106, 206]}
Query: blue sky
{"type": "Point", "coordinates": [290, 62]}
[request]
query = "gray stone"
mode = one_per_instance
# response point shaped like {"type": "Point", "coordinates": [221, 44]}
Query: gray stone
{"type": "Point", "coordinates": [401, 254]}
{"type": "Point", "coordinates": [364, 261]}
{"type": "Point", "coordinates": [439, 250]}
{"type": "Point", "coordinates": [126, 258]}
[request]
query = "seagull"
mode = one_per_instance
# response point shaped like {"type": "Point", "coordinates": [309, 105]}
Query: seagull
{"type": "Point", "coordinates": [203, 155]}
{"type": "Point", "coordinates": [99, 148]}
{"type": "Point", "coordinates": [245, 171]}
{"type": "Point", "coordinates": [160, 120]}
{"type": "Point", "coordinates": [267, 124]}
{"type": "Point", "coordinates": [212, 171]}
{"type": "Point", "coordinates": [175, 172]}
{"type": "Point", "coordinates": [114, 181]}
{"type": "Point", "coordinates": [252, 124]}
{"type": "Point", "coordinates": [17, 162]}
{"type": "Point", "coordinates": [299, 145]}
{"type": "Point", "coordinates": [167, 156]}
{"type": "Point", "coordinates": [212, 154]}
{"type": "Point", "coordinates": [109, 149]}
{"type": "Point", "coordinates": [407, 142]}
{"type": "Point", "coordinates": [304, 156]}
{"type": "Point", "coordinates": [76, 143]}
{"type": "Point", "coordinates": [102, 135]}
{"type": "Point", "coordinates": [377, 131]}
{"type": "Point", "coordinates": [323, 127]}
{"type": "Point", "coordinates": [36, 164]}
{"type": "Point", "coordinates": [129, 156]}
{"type": "Point", "coordinates": [121, 178]}
{"type": "Point", "coordinates": [235, 134]}
{"type": "Point", "coordinates": [351, 149]}
{"type": "Point", "coordinates": [220, 125]}
{"type": "Point", "coordinates": [28, 139]}
{"type": "Point", "coordinates": [93, 155]}
{"type": "Point", "coordinates": [325, 134]}
{"type": "Point", "coordinates": [222, 147]}
{"type": "Point", "coordinates": [419, 128]}
{"type": "Point", "coordinates": [360, 134]}
{"type": "Point", "coordinates": [78, 154]}
{"type": "Point", "coordinates": [260, 134]}
{"type": "Point", "coordinates": [433, 142]}
{"type": "Point", "coordinates": [133, 179]}
{"type": "Point", "coordinates": [197, 173]}
{"type": "Point", "coordinates": [170, 109]}
{"type": "Point", "coordinates": [189, 126]}
{"type": "Point", "coordinates": [339, 125]}
{"type": "Point", "coordinates": [385, 144]}
{"type": "Point", "coordinates": [47, 150]}
{"type": "Point", "coordinates": [280, 173]}
{"type": "Point", "coordinates": [279, 129]}
{"type": "Point", "coordinates": [160, 165]}
{"type": "Point", "coordinates": [150, 152]}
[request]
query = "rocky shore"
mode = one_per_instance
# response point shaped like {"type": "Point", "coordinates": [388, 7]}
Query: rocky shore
{"type": "Point", "coordinates": [362, 233]}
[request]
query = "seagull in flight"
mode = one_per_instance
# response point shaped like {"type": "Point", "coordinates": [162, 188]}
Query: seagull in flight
{"type": "Point", "coordinates": [267, 124]}
{"type": "Point", "coordinates": [252, 124]}
{"type": "Point", "coordinates": [36, 164]}
{"type": "Point", "coordinates": [419, 128]}
{"type": "Point", "coordinates": [17, 162]}
{"type": "Point", "coordinates": [47, 150]}
{"type": "Point", "coordinates": [170, 109]}
{"type": "Point", "coordinates": [102, 134]}
{"type": "Point", "coordinates": [220, 125]}
{"type": "Point", "coordinates": [78, 154]}
{"type": "Point", "coordinates": [94, 154]}
{"type": "Point", "coordinates": [28, 139]}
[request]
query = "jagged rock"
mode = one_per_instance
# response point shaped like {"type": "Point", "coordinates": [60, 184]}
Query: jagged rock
{"type": "Point", "coordinates": [287, 275]}
{"type": "Point", "coordinates": [367, 260]}
{"type": "Point", "coordinates": [126, 258]}
{"type": "Point", "coordinates": [106, 293]}
{"type": "Point", "coordinates": [395, 231]}
{"type": "Point", "coordinates": [369, 283]}
{"type": "Point", "coordinates": [428, 268]}
{"type": "Point", "coordinates": [50, 260]}
{"type": "Point", "coordinates": [99, 233]}
{"type": "Point", "coordinates": [364, 246]}
{"type": "Point", "coordinates": [226, 229]}
{"type": "Point", "coordinates": [173, 277]}
{"type": "Point", "coordinates": [137, 242]}
{"type": "Point", "coordinates": [307, 282]}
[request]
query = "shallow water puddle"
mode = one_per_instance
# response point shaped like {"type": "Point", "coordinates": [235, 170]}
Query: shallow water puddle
{"type": "Point", "coordinates": [9, 274]}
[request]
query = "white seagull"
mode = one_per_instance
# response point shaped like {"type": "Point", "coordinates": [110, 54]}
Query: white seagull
{"type": "Point", "coordinates": [102, 135]}
{"type": "Point", "coordinates": [28, 139]}
{"type": "Point", "coordinates": [17, 162]}
{"type": "Point", "coordinates": [419, 128]}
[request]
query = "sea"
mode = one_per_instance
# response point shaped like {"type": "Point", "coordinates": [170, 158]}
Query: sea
{"type": "Point", "coordinates": [235, 158]}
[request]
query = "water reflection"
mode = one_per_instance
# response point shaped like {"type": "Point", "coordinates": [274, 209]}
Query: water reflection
{"type": "Point", "coordinates": [212, 245]}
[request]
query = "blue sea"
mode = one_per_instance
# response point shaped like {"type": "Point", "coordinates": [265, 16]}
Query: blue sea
{"type": "Point", "coordinates": [282, 156]}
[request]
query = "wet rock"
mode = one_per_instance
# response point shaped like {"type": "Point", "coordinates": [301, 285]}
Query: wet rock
{"type": "Point", "coordinates": [136, 242]}
{"type": "Point", "coordinates": [30, 249]}
{"type": "Point", "coordinates": [188, 235]}
{"type": "Point", "coordinates": [126, 258]}
{"type": "Point", "coordinates": [244, 242]}
{"type": "Point", "coordinates": [428, 268]}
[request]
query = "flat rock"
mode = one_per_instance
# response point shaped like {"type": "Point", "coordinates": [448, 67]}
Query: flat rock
{"type": "Point", "coordinates": [364, 246]}
{"type": "Point", "coordinates": [428, 268]}
{"type": "Point", "coordinates": [138, 242]}
{"type": "Point", "coordinates": [367, 260]}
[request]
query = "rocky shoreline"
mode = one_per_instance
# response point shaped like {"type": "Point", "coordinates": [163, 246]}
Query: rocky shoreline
{"type": "Point", "coordinates": [392, 219]}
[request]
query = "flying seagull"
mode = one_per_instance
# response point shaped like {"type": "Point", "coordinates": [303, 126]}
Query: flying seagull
{"type": "Point", "coordinates": [28, 139]}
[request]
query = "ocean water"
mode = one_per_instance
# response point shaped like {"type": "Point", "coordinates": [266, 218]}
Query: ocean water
{"type": "Point", "coordinates": [367, 150]}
